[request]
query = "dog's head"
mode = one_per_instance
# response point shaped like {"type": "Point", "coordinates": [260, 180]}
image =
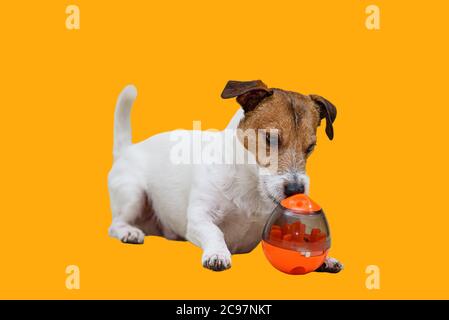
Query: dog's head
{"type": "Point", "coordinates": [294, 118]}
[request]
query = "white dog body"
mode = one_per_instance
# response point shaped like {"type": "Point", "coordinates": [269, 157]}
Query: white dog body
{"type": "Point", "coordinates": [217, 207]}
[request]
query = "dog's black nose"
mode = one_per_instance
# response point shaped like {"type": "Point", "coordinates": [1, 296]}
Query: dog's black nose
{"type": "Point", "coordinates": [293, 188]}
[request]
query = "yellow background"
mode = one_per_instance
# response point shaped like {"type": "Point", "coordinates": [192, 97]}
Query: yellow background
{"type": "Point", "coordinates": [382, 181]}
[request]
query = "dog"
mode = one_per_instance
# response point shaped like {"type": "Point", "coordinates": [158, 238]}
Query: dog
{"type": "Point", "coordinates": [220, 207]}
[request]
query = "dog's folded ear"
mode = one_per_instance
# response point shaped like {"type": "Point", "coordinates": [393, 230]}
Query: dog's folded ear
{"type": "Point", "coordinates": [327, 110]}
{"type": "Point", "coordinates": [249, 93]}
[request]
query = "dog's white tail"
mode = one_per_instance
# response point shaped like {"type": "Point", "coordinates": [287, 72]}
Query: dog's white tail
{"type": "Point", "coordinates": [122, 122]}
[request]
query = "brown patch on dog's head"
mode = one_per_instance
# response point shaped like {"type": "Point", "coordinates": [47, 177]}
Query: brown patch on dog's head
{"type": "Point", "coordinates": [294, 115]}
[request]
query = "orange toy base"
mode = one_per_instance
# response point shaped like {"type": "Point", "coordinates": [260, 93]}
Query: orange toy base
{"type": "Point", "coordinates": [292, 262]}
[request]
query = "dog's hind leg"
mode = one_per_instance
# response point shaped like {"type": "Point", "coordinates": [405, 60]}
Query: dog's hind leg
{"type": "Point", "coordinates": [128, 207]}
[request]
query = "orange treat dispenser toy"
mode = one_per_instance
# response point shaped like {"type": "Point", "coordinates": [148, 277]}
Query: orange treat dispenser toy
{"type": "Point", "coordinates": [296, 238]}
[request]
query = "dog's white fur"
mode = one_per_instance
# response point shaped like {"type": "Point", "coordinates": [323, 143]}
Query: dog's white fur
{"type": "Point", "coordinates": [220, 208]}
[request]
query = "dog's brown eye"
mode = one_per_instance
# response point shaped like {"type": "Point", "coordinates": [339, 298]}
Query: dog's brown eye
{"type": "Point", "coordinates": [310, 148]}
{"type": "Point", "coordinates": [272, 139]}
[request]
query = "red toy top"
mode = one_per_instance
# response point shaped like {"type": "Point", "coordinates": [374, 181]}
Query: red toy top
{"type": "Point", "coordinates": [301, 203]}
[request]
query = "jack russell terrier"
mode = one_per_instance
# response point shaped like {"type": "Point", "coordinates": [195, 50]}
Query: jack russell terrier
{"type": "Point", "coordinates": [219, 206]}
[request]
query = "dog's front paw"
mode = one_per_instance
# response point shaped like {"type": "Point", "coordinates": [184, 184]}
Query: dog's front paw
{"type": "Point", "coordinates": [217, 260]}
{"type": "Point", "coordinates": [330, 265]}
{"type": "Point", "coordinates": [126, 233]}
{"type": "Point", "coordinates": [133, 236]}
